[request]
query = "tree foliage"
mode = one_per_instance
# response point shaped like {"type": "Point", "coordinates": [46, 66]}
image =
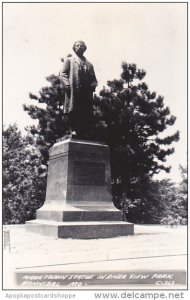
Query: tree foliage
{"type": "Point", "coordinates": [52, 124]}
{"type": "Point", "coordinates": [175, 212]}
{"type": "Point", "coordinates": [160, 202]}
{"type": "Point", "coordinates": [22, 187]}
{"type": "Point", "coordinates": [131, 119]}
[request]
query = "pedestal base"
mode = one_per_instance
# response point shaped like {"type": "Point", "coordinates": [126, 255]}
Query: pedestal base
{"type": "Point", "coordinates": [78, 196]}
{"type": "Point", "coordinates": [80, 230]}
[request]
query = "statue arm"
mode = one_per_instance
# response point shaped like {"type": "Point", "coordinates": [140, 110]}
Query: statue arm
{"type": "Point", "coordinates": [65, 73]}
{"type": "Point", "coordinates": [93, 78]}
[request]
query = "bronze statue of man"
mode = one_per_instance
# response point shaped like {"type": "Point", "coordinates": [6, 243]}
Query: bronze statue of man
{"type": "Point", "coordinates": [79, 82]}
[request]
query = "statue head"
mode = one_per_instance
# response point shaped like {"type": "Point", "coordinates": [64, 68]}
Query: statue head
{"type": "Point", "coordinates": [79, 48]}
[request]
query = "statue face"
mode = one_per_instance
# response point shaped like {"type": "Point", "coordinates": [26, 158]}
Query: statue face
{"type": "Point", "coordinates": [79, 48]}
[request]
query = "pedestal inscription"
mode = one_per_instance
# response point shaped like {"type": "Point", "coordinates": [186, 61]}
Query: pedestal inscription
{"type": "Point", "coordinates": [89, 173]}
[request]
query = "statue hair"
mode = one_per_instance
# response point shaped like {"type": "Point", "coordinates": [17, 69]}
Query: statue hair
{"type": "Point", "coordinates": [81, 43]}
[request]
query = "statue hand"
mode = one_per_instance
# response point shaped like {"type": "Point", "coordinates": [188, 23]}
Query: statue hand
{"type": "Point", "coordinates": [67, 88]}
{"type": "Point", "coordinates": [93, 86]}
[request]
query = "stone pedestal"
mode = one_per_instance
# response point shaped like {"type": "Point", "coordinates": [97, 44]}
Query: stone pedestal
{"type": "Point", "coordinates": [78, 198]}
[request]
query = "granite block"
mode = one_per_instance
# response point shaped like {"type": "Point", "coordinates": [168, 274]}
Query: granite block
{"type": "Point", "coordinates": [84, 215]}
{"type": "Point", "coordinates": [81, 230]}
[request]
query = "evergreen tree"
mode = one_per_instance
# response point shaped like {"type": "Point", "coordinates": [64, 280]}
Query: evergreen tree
{"type": "Point", "coordinates": [52, 124]}
{"type": "Point", "coordinates": [130, 119]}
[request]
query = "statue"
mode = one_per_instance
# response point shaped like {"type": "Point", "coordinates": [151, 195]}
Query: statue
{"type": "Point", "coordinates": [79, 80]}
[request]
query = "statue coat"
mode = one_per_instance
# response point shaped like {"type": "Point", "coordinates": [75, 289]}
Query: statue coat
{"type": "Point", "coordinates": [79, 97]}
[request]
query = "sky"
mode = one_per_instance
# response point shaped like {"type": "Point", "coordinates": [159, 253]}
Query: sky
{"type": "Point", "coordinates": [151, 35]}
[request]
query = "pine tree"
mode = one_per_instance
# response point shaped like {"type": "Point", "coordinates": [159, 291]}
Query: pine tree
{"type": "Point", "coordinates": [52, 124]}
{"type": "Point", "coordinates": [130, 119]}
